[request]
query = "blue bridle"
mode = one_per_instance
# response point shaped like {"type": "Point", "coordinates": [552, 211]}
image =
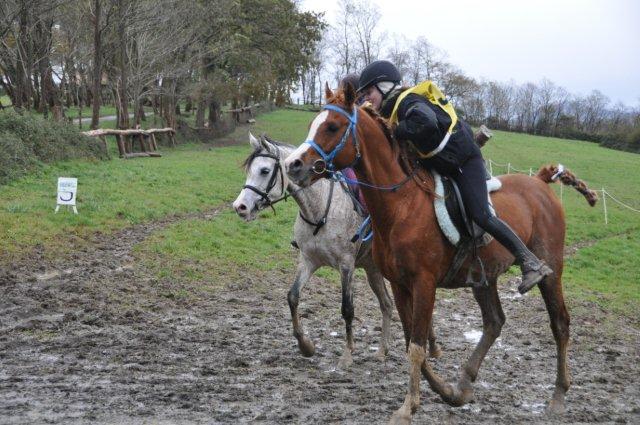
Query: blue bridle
{"type": "Point", "coordinates": [327, 158]}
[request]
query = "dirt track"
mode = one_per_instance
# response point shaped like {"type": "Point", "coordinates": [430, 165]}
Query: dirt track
{"type": "Point", "coordinates": [97, 340]}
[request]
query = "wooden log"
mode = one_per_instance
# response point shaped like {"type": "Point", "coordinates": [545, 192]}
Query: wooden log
{"type": "Point", "coordinates": [136, 155]}
{"type": "Point", "coordinates": [130, 132]}
{"type": "Point", "coordinates": [124, 139]}
{"type": "Point", "coordinates": [143, 155]}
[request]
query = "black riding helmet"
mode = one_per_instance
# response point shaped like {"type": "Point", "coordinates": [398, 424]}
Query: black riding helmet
{"type": "Point", "coordinates": [376, 72]}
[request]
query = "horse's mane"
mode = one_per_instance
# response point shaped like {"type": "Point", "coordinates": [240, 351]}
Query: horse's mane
{"type": "Point", "coordinates": [403, 152]}
{"type": "Point", "coordinates": [257, 151]}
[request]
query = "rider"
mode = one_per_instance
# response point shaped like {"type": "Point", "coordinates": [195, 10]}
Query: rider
{"type": "Point", "coordinates": [425, 125]}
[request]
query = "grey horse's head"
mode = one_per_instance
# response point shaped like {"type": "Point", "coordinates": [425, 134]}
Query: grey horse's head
{"type": "Point", "coordinates": [266, 180]}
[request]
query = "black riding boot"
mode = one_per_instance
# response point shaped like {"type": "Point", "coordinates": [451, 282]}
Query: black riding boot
{"type": "Point", "coordinates": [533, 269]}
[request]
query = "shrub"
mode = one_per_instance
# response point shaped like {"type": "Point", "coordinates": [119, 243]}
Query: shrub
{"type": "Point", "coordinates": [634, 140]}
{"type": "Point", "coordinates": [27, 140]}
{"type": "Point", "coordinates": [16, 159]}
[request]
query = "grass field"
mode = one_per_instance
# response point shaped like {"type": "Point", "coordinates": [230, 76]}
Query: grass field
{"type": "Point", "coordinates": [118, 193]}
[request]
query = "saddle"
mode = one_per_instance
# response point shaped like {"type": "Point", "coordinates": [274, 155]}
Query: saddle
{"type": "Point", "coordinates": [451, 213]}
{"type": "Point", "coordinates": [459, 229]}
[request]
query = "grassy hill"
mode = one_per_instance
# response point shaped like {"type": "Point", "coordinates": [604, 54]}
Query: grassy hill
{"type": "Point", "coordinates": [118, 193]}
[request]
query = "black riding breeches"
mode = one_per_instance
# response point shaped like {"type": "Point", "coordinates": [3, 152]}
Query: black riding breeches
{"type": "Point", "coordinates": [473, 188]}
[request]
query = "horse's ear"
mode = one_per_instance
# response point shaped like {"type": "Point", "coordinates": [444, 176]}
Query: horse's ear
{"type": "Point", "coordinates": [253, 141]}
{"type": "Point", "coordinates": [328, 94]}
{"type": "Point", "coordinates": [349, 95]}
{"type": "Point", "coordinates": [266, 145]}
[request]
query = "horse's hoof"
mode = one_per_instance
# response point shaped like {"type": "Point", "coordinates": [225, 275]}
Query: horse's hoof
{"type": "Point", "coordinates": [435, 352]}
{"type": "Point", "coordinates": [457, 396]}
{"type": "Point", "coordinates": [382, 352]}
{"type": "Point", "coordinates": [555, 408]}
{"type": "Point", "coordinates": [346, 360]}
{"type": "Point", "coordinates": [467, 395]}
{"type": "Point", "coordinates": [400, 418]}
{"type": "Point", "coordinates": [306, 347]}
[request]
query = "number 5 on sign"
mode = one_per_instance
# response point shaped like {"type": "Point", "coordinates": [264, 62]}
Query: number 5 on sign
{"type": "Point", "coordinates": [67, 189]}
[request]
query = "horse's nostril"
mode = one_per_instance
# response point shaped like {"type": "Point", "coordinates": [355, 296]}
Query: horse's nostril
{"type": "Point", "coordinates": [242, 207]}
{"type": "Point", "coordinates": [296, 165]}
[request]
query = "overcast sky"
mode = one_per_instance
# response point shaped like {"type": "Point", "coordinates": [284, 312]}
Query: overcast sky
{"type": "Point", "coordinates": [579, 44]}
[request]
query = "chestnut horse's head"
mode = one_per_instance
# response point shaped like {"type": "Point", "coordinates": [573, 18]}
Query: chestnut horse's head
{"type": "Point", "coordinates": [332, 143]}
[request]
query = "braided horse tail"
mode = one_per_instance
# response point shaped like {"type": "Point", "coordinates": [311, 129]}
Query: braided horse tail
{"type": "Point", "coordinates": [551, 173]}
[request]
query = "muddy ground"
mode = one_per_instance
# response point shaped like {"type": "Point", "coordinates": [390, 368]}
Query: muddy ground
{"type": "Point", "coordinates": [97, 339]}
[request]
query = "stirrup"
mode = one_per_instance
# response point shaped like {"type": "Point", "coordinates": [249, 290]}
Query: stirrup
{"type": "Point", "coordinates": [532, 274]}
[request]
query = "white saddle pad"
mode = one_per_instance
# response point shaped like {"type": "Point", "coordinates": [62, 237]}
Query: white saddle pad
{"type": "Point", "coordinates": [442, 215]}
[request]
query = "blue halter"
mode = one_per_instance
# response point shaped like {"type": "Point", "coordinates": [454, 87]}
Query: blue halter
{"type": "Point", "coordinates": [351, 129]}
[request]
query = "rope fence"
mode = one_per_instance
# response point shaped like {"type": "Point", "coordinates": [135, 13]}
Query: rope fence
{"type": "Point", "coordinates": [605, 194]}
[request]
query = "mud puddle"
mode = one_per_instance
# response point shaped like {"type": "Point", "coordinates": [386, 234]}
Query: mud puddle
{"type": "Point", "coordinates": [95, 340]}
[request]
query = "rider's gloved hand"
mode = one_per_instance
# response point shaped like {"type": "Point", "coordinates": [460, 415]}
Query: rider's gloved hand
{"type": "Point", "coordinates": [400, 132]}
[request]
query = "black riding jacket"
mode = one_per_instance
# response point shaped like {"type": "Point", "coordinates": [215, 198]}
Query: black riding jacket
{"type": "Point", "coordinates": [425, 125]}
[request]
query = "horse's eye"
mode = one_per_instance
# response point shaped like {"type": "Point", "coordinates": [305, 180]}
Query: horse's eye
{"type": "Point", "coordinates": [332, 127]}
{"type": "Point", "coordinates": [265, 171]}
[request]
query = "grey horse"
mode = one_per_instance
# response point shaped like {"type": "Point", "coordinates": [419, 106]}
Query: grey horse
{"type": "Point", "coordinates": [323, 229]}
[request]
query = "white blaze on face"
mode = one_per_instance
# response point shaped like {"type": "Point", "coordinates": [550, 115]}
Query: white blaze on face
{"type": "Point", "coordinates": [317, 122]}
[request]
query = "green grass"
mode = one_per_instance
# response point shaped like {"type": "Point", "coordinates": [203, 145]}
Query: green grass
{"type": "Point", "coordinates": [114, 194]}
{"type": "Point", "coordinates": [208, 250]}
{"type": "Point", "coordinates": [5, 100]}
{"type": "Point", "coordinates": [607, 270]}
{"type": "Point", "coordinates": [118, 193]}
{"type": "Point", "coordinates": [105, 110]}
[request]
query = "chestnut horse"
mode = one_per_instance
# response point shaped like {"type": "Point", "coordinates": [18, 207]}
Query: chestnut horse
{"type": "Point", "coordinates": [414, 255]}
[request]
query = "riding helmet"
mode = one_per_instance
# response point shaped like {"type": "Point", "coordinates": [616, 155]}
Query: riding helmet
{"type": "Point", "coordinates": [376, 72]}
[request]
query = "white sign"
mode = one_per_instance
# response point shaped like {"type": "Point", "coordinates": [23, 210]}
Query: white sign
{"type": "Point", "coordinates": [67, 190]}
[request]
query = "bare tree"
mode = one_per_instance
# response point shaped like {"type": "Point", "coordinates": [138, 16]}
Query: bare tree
{"type": "Point", "coordinates": [427, 62]}
{"type": "Point", "coordinates": [365, 16]}
{"type": "Point", "coordinates": [343, 42]}
{"type": "Point", "coordinates": [399, 54]}
{"type": "Point", "coordinates": [100, 17]}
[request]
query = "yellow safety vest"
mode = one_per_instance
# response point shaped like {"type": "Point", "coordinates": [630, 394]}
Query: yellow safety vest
{"type": "Point", "coordinates": [432, 93]}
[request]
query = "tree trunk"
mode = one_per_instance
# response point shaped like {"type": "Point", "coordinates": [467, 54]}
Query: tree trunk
{"type": "Point", "coordinates": [123, 116]}
{"type": "Point", "coordinates": [202, 105]}
{"type": "Point", "coordinates": [214, 113]}
{"type": "Point", "coordinates": [97, 64]}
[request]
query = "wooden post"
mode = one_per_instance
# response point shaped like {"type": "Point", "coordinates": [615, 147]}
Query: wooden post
{"type": "Point", "coordinates": [153, 142]}
{"type": "Point", "coordinates": [604, 205]}
{"type": "Point", "coordinates": [103, 138]}
{"type": "Point", "coordinates": [143, 148]}
{"type": "Point", "coordinates": [121, 147]}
